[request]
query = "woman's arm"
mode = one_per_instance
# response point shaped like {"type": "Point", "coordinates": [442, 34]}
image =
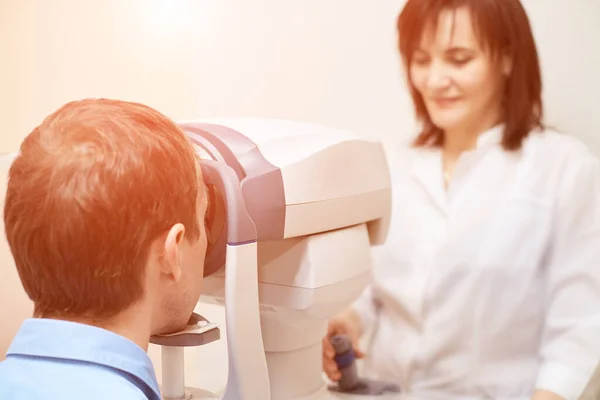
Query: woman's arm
{"type": "Point", "coordinates": [570, 350]}
{"type": "Point", "coordinates": [363, 313]}
{"type": "Point", "coordinates": [366, 307]}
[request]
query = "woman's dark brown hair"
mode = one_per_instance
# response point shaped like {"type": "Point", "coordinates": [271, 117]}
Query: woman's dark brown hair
{"type": "Point", "coordinates": [503, 29]}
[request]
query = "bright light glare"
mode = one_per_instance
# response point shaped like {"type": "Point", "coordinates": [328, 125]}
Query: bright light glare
{"type": "Point", "coordinates": [164, 19]}
{"type": "Point", "coordinates": [161, 13]}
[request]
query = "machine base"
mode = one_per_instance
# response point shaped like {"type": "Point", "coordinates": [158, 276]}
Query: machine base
{"type": "Point", "coordinates": [326, 394]}
{"type": "Point", "coordinates": [356, 397]}
{"type": "Point", "coordinates": [345, 396]}
{"type": "Point", "coordinates": [196, 394]}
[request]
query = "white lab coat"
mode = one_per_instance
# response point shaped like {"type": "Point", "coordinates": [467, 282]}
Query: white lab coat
{"type": "Point", "coordinates": [491, 289]}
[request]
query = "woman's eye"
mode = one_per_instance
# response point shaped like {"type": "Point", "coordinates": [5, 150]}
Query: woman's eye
{"type": "Point", "coordinates": [420, 58]}
{"type": "Point", "coordinates": [459, 57]}
{"type": "Point", "coordinates": [460, 60]}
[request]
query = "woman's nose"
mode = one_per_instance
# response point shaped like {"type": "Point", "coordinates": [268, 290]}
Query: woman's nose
{"type": "Point", "coordinates": [437, 77]}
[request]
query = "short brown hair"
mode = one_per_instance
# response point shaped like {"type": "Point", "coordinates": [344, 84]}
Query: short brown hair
{"type": "Point", "coordinates": [90, 190]}
{"type": "Point", "coordinates": [503, 29]}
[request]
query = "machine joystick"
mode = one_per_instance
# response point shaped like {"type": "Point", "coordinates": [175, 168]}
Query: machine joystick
{"type": "Point", "coordinates": [350, 381]}
{"type": "Point", "coordinates": [344, 358]}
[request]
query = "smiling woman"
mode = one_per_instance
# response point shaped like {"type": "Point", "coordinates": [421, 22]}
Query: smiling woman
{"type": "Point", "coordinates": [488, 285]}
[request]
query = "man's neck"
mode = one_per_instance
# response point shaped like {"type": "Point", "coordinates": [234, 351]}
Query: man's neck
{"type": "Point", "coordinates": [132, 324]}
{"type": "Point", "coordinates": [133, 329]}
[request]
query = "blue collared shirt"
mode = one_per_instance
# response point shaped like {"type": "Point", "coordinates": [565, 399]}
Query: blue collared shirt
{"type": "Point", "coordinates": [52, 359]}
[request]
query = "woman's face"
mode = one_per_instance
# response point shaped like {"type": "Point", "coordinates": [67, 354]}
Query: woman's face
{"type": "Point", "coordinates": [461, 85]}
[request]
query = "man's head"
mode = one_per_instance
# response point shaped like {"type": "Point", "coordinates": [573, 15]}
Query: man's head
{"type": "Point", "coordinates": [104, 213]}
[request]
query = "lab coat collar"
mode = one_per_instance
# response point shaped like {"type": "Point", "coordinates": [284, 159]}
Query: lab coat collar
{"type": "Point", "coordinates": [491, 137]}
{"type": "Point", "coordinates": [427, 168]}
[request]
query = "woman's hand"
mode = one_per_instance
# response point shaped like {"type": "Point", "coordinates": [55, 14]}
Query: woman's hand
{"type": "Point", "coordinates": [545, 395]}
{"type": "Point", "coordinates": [347, 323]}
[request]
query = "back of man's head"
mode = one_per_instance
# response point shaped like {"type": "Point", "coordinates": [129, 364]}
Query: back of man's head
{"type": "Point", "coordinates": [92, 187]}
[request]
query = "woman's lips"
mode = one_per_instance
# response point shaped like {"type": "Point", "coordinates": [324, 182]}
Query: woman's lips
{"type": "Point", "coordinates": [444, 102]}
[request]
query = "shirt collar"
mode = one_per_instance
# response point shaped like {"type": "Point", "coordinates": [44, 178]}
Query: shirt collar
{"type": "Point", "coordinates": [427, 167]}
{"type": "Point", "coordinates": [73, 341]}
{"type": "Point", "coordinates": [491, 136]}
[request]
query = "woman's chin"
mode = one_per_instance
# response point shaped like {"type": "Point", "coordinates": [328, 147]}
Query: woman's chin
{"type": "Point", "coordinates": [447, 121]}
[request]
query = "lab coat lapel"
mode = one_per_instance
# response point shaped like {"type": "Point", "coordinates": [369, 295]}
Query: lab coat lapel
{"type": "Point", "coordinates": [427, 171]}
{"type": "Point", "coordinates": [427, 168]}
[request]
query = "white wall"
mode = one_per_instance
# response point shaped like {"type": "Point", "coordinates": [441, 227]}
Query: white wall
{"type": "Point", "coordinates": [326, 61]}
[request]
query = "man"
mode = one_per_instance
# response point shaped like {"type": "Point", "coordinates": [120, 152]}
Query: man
{"type": "Point", "coordinates": [104, 216]}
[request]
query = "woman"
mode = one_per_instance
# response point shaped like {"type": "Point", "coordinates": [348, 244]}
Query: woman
{"type": "Point", "coordinates": [489, 284]}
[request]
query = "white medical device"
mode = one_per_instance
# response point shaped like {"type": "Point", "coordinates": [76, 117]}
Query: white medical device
{"type": "Point", "coordinates": [294, 210]}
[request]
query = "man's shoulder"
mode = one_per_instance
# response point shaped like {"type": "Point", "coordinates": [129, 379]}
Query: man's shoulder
{"type": "Point", "coordinates": [38, 392]}
{"type": "Point", "coordinates": [31, 379]}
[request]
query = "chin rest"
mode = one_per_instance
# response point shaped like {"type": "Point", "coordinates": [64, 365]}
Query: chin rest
{"type": "Point", "coordinates": [198, 332]}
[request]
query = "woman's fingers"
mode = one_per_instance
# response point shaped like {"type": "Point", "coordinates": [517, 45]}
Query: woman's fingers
{"type": "Point", "coordinates": [328, 351]}
{"type": "Point", "coordinates": [329, 364]}
{"type": "Point", "coordinates": [358, 353]}
{"type": "Point", "coordinates": [338, 327]}
{"type": "Point", "coordinates": [331, 369]}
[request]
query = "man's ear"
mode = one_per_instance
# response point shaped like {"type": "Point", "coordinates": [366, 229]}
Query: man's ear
{"type": "Point", "coordinates": [171, 260]}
